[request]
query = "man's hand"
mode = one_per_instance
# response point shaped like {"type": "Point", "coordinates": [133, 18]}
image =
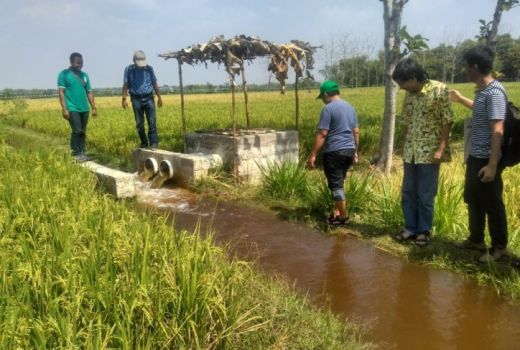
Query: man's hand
{"type": "Point", "coordinates": [437, 156]}
{"type": "Point", "coordinates": [124, 104]}
{"type": "Point", "coordinates": [66, 115]}
{"type": "Point", "coordinates": [311, 161]}
{"type": "Point", "coordinates": [94, 112]}
{"type": "Point", "coordinates": [356, 158]}
{"type": "Point", "coordinates": [159, 101]}
{"type": "Point", "coordinates": [487, 173]}
{"type": "Point", "coordinates": [455, 96]}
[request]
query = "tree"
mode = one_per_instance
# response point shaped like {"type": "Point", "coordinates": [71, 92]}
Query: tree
{"type": "Point", "coordinates": [489, 30]}
{"type": "Point", "coordinates": [392, 11]}
{"type": "Point", "coordinates": [395, 35]}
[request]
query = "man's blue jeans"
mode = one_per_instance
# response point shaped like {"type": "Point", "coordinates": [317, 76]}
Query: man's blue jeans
{"type": "Point", "coordinates": [420, 183]}
{"type": "Point", "coordinates": [145, 107]}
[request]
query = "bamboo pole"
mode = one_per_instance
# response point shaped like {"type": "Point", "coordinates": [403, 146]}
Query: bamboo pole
{"type": "Point", "coordinates": [233, 116]}
{"type": "Point", "coordinates": [246, 99]}
{"type": "Point", "coordinates": [297, 102]}
{"type": "Point", "coordinates": [183, 113]}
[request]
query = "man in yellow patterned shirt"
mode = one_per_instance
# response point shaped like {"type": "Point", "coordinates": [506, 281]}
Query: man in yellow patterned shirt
{"type": "Point", "coordinates": [427, 120]}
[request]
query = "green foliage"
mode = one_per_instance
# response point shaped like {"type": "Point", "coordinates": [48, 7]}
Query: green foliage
{"type": "Point", "coordinates": [287, 181]}
{"type": "Point", "coordinates": [412, 43]}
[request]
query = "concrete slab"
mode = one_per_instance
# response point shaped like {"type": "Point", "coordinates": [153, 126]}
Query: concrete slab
{"type": "Point", "coordinates": [115, 182]}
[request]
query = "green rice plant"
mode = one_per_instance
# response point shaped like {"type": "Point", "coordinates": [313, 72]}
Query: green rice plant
{"type": "Point", "coordinates": [286, 180]}
{"type": "Point", "coordinates": [358, 189]}
{"type": "Point", "coordinates": [386, 210]}
{"type": "Point", "coordinates": [449, 216]}
{"type": "Point", "coordinates": [320, 200]}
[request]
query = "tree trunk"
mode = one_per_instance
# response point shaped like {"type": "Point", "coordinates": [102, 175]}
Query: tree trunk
{"type": "Point", "coordinates": [497, 16]}
{"type": "Point", "coordinates": [297, 104]}
{"type": "Point", "coordinates": [392, 19]}
{"type": "Point", "coordinates": [183, 113]}
{"type": "Point", "coordinates": [246, 98]}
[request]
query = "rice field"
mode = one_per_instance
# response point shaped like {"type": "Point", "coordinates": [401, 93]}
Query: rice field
{"type": "Point", "coordinates": [79, 270]}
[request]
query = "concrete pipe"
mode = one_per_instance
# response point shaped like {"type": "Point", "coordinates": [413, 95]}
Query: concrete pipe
{"type": "Point", "coordinates": [166, 169]}
{"type": "Point", "coordinates": [151, 168]}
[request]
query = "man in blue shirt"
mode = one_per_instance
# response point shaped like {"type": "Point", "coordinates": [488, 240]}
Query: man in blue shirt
{"type": "Point", "coordinates": [140, 81]}
{"type": "Point", "coordinates": [338, 134]}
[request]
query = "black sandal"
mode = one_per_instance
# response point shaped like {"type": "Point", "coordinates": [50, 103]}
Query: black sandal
{"type": "Point", "coordinates": [422, 240]}
{"type": "Point", "coordinates": [516, 264]}
{"type": "Point", "coordinates": [337, 221]}
{"type": "Point", "coordinates": [404, 236]}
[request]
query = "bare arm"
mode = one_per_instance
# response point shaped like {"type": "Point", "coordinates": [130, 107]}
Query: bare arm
{"type": "Point", "coordinates": [61, 94]}
{"type": "Point", "coordinates": [456, 96]}
{"type": "Point", "coordinates": [445, 134]}
{"type": "Point", "coordinates": [158, 93]}
{"type": "Point", "coordinates": [488, 172]}
{"type": "Point", "coordinates": [321, 136]}
{"type": "Point", "coordinates": [124, 104]}
{"type": "Point", "coordinates": [92, 103]}
{"type": "Point", "coordinates": [356, 140]}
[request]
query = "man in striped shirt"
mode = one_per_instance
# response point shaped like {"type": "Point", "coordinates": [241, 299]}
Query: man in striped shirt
{"type": "Point", "coordinates": [483, 184]}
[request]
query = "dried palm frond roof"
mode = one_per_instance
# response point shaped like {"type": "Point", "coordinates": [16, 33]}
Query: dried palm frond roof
{"type": "Point", "coordinates": [233, 52]}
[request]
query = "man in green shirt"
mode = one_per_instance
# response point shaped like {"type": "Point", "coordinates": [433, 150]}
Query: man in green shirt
{"type": "Point", "coordinates": [75, 95]}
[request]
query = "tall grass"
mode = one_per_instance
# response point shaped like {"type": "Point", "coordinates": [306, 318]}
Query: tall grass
{"type": "Point", "coordinates": [79, 270]}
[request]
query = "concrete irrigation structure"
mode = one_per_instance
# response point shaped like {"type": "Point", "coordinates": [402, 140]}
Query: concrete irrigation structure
{"type": "Point", "coordinates": [232, 53]}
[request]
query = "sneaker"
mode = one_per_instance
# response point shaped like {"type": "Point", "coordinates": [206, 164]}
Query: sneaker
{"type": "Point", "coordinates": [153, 147]}
{"type": "Point", "coordinates": [467, 244]}
{"type": "Point", "coordinates": [494, 254]}
{"type": "Point", "coordinates": [85, 157]}
{"type": "Point", "coordinates": [142, 145]}
{"type": "Point", "coordinates": [79, 158]}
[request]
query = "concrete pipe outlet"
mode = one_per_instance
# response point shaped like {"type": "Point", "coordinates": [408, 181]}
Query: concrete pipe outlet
{"type": "Point", "coordinates": [166, 169]}
{"type": "Point", "coordinates": [150, 166]}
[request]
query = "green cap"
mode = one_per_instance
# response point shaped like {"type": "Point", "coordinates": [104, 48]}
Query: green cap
{"type": "Point", "coordinates": [328, 86]}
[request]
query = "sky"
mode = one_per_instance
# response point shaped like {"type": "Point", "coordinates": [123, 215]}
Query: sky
{"type": "Point", "coordinates": [37, 36]}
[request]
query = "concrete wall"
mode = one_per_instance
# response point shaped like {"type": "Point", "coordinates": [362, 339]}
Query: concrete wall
{"type": "Point", "coordinates": [254, 152]}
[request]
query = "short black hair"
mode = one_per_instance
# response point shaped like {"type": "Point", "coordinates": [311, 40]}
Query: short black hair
{"type": "Point", "coordinates": [332, 93]}
{"type": "Point", "coordinates": [482, 57]}
{"type": "Point", "coordinates": [75, 55]}
{"type": "Point", "coordinates": [409, 69]}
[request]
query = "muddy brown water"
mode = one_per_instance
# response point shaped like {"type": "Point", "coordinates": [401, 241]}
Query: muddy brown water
{"type": "Point", "coordinates": [406, 306]}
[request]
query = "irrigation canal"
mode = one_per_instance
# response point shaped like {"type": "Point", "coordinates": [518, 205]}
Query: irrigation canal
{"type": "Point", "coordinates": [406, 306]}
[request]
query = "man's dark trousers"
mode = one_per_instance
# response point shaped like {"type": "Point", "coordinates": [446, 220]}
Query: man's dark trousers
{"type": "Point", "coordinates": [485, 198]}
{"type": "Point", "coordinates": [78, 124]}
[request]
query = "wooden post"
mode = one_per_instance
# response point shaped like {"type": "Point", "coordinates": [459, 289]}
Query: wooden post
{"type": "Point", "coordinates": [183, 114]}
{"type": "Point", "coordinates": [246, 99]}
{"type": "Point", "coordinates": [233, 116]}
{"type": "Point", "coordinates": [297, 102]}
